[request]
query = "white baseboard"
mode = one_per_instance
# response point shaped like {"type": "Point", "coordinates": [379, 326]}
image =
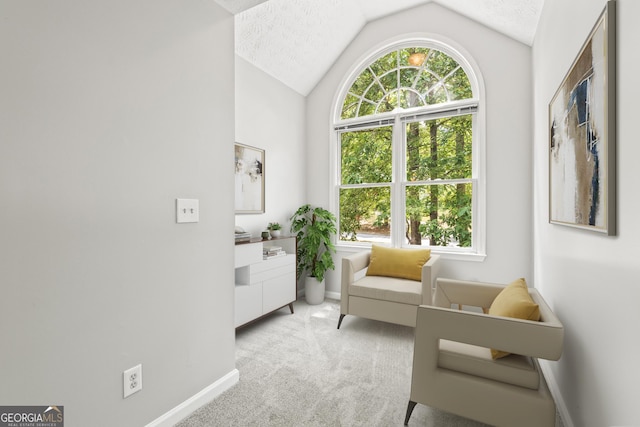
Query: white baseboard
{"type": "Point", "coordinates": [327, 294]}
{"type": "Point", "coordinates": [196, 401]}
{"type": "Point", "coordinates": [332, 295]}
{"type": "Point", "coordinates": [555, 392]}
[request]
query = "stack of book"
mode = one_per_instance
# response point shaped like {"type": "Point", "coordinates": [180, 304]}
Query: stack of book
{"type": "Point", "coordinates": [269, 252]}
{"type": "Point", "coordinates": [243, 237]}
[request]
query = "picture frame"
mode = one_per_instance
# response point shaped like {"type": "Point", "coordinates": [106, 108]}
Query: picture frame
{"type": "Point", "coordinates": [582, 135]}
{"type": "Point", "coordinates": [249, 179]}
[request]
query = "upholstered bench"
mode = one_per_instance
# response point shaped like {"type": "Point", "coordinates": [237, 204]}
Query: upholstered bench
{"type": "Point", "coordinates": [396, 283]}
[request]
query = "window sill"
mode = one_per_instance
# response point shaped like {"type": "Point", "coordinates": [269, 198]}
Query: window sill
{"type": "Point", "coordinates": [445, 255]}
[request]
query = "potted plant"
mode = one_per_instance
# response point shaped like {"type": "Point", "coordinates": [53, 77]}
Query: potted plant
{"type": "Point", "coordinates": [313, 228]}
{"type": "Point", "coordinates": [274, 228]}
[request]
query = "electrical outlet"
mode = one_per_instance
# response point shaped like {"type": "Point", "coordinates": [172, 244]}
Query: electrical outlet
{"type": "Point", "coordinates": [132, 380]}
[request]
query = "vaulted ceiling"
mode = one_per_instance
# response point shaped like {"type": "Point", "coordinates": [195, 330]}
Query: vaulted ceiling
{"type": "Point", "coordinates": [296, 41]}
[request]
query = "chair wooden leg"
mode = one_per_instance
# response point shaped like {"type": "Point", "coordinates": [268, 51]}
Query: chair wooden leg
{"type": "Point", "coordinates": [340, 320]}
{"type": "Point", "coordinates": [412, 405]}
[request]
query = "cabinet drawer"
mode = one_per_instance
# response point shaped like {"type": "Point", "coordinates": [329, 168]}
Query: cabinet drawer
{"type": "Point", "coordinates": [248, 253]}
{"type": "Point", "coordinates": [272, 273]}
{"type": "Point", "coordinates": [269, 264]}
{"type": "Point", "coordinates": [278, 292]}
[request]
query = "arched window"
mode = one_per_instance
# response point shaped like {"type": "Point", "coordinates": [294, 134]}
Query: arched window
{"type": "Point", "coordinates": [406, 78]}
{"type": "Point", "coordinates": [407, 151]}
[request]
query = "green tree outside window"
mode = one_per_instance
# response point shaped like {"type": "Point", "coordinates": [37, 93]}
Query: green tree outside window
{"type": "Point", "coordinates": [437, 141]}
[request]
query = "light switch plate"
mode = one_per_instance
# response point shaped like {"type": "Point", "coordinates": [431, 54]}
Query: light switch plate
{"type": "Point", "coordinates": [187, 210]}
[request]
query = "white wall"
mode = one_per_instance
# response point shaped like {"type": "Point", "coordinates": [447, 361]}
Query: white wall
{"type": "Point", "coordinates": [109, 112]}
{"type": "Point", "coordinates": [589, 279]}
{"type": "Point", "coordinates": [271, 116]}
{"type": "Point", "coordinates": [506, 67]}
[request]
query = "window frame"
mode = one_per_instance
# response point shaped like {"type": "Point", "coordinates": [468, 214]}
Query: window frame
{"type": "Point", "coordinates": [399, 119]}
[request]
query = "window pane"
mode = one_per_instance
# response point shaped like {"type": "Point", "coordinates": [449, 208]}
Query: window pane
{"type": "Point", "coordinates": [458, 85]}
{"type": "Point", "coordinates": [410, 98]}
{"type": "Point", "coordinates": [365, 214]}
{"type": "Point", "coordinates": [439, 149]}
{"type": "Point", "coordinates": [408, 77]}
{"type": "Point", "coordinates": [442, 64]}
{"type": "Point", "coordinates": [366, 108]}
{"type": "Point", "coordinates": [439, 215]}
{"type": "Point", "coordinates": [362, 82]}
{"type": "Point", "coordinates": [414, 56]}
{"type": "Point", "coordinates": [437, 95]}
{"type": "Point", "coordinates": [375, 93]}
{"type": "Point", "coordinates": [366, 156]}
{"type": "Point", "coordinates": [389, 102]}
{"type": "Point", "coordinates": [426, 83]}
{"type": "Point", "coordinates": [384, 64]}
{"type": "Point", "coordinates": [390, 81]}
{"type": "Point", "coordinates": [349, 107]}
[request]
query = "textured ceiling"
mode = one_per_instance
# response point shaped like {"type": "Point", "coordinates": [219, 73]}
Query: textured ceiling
{"type": "Point", "coordinates": [296, 41]}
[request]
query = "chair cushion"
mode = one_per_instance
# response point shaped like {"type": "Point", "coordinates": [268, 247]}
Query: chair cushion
{"type": "Point", "coordinates": [473, 360]}
{"type": "Point", "coordinates": [514, 301]}
{"type": "Point", "coordinates": [388, 289]}
{"type": "Point", "coordinates": [397, 262]}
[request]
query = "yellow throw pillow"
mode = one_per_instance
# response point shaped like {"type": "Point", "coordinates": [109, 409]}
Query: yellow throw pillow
{"type": "Point", "coordinates": [394, 262]}
{"type": "Point", "coordinates": [514, 301]}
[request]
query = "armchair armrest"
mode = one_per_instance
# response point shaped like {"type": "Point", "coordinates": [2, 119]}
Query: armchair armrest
{"type": "Point", "coordinates": [463, 292]}
{"type": "Point", "coordinates": [357, 261]}
{"type": "Point", "coordinates": [541, 339]}
{"type": "Point", "coordinates": [430, 271]}
{"type": "Point", "coordinates": [350, 266]}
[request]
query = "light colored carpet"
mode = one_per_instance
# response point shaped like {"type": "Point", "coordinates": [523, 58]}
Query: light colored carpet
{"type": "Point", "coordinates": [299, 370]}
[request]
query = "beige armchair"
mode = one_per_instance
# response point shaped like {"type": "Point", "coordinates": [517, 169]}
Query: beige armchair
{"type": "Point", "coordinates": [387, 299]}
{"type": "Point", "coordinates": [453, 369]}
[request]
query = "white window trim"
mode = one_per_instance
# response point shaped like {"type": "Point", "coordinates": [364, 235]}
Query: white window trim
{"type": "Point", "coordinates": [479, 237]}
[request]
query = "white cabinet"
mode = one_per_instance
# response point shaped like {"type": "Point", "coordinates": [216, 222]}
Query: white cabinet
{"type": "Point", "coordinates": [263, 286]}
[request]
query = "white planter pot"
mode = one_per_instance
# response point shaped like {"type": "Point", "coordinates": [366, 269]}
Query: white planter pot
{"type": "Point", "coordinates": [313, 291]}
{"type": "Point", "coordinates": [275, 233]}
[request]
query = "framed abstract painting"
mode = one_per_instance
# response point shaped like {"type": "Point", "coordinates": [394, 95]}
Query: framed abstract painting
{"type": "Point", "coordinates": [249, 179]}
{"type": "Point", "coordinates": [582, 135]}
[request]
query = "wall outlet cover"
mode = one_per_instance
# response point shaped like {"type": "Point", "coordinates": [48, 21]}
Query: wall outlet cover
{"type": "Point", "coordinates": [132, 380]}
